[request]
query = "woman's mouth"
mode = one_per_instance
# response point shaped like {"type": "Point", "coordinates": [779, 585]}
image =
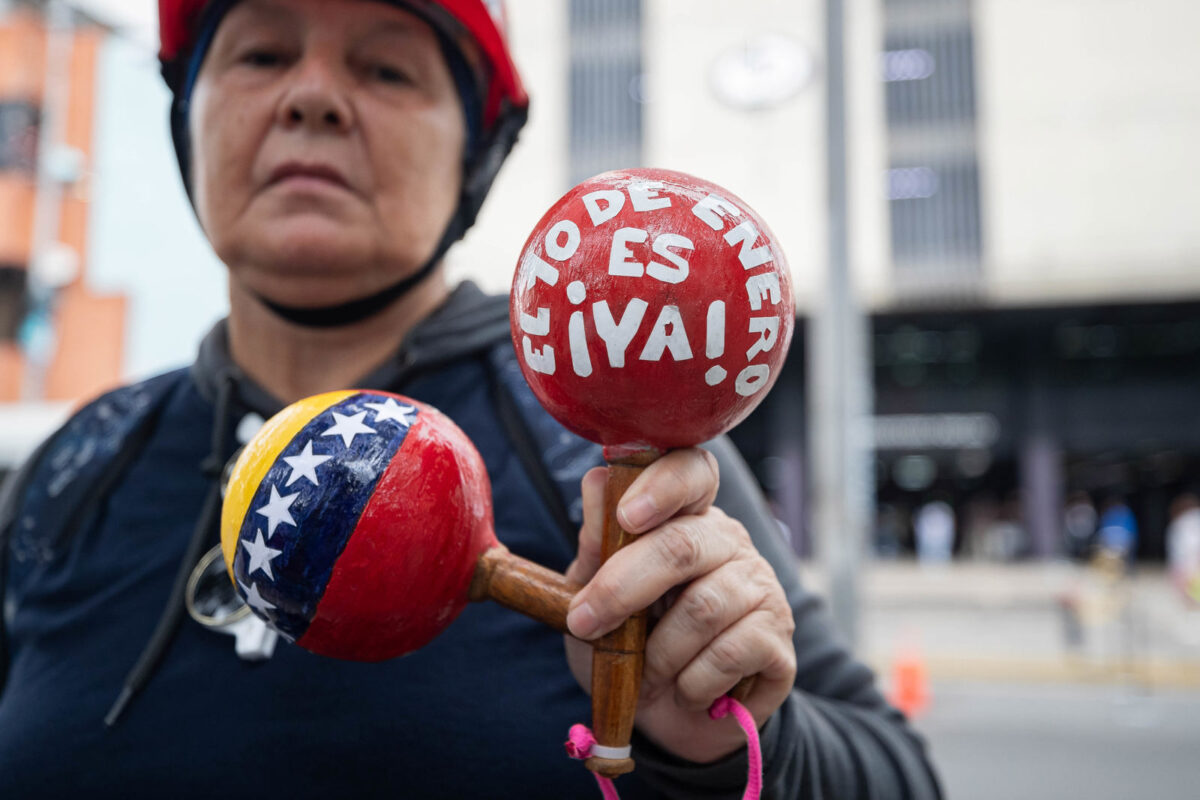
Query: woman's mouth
{"type": "Point", "coordinates": [298, 174]}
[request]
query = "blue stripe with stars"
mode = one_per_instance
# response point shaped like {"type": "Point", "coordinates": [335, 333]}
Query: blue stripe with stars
{"type": "Point", "coordinates": [293, 560]}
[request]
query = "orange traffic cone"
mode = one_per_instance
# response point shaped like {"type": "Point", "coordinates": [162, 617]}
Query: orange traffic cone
{"type": "Point", "coordinates": [910, 682]}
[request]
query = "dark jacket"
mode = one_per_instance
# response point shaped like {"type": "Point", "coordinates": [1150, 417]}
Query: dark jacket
{"type": "Point", "coordinates": [99, 523]}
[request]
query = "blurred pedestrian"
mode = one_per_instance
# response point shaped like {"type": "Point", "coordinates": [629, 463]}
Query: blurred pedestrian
{"type": "Point", "coordinates": [1006, 538]}
{"type": "Point", "coordinates": [889, 528]}
{"type": "Point", "coordinates": [979, 516]}
{"type": "Point", "coordinates": [1117, 529]}
{"type": "Point", "coordinates": [933, 526]}
{"type": "Point", "coordinates": [1079, 526]}
{"type": "Point", "coordinates": [1183, 546]}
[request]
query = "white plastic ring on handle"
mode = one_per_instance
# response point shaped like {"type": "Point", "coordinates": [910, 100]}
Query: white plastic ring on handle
{"type": "Point", "coordinates": [601, 751]}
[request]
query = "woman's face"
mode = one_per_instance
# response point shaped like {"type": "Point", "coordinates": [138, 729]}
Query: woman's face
{"type": "Point", "coordinates": [327, 142]}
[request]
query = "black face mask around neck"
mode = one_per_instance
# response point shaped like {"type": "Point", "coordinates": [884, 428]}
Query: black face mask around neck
{"type": "Point", "coordinates": [363, 308]}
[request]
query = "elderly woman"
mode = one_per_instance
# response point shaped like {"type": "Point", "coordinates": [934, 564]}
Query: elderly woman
{"type": "Point", "coordinates": [333, 150]}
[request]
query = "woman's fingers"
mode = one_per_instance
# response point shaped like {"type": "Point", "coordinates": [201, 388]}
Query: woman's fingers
{"type": "Point", "coordinates": [754, 645]}
{"type": "Point", "coordinates": [587, 559]}
{"type": "Point", "coordinates": [677, 552]}
{"type": "Point", "coordinates": [705, 610]}
{"type": "Point", "coordinates": [681, 482]}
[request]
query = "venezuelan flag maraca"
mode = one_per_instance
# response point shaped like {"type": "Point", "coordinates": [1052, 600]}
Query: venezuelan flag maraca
{"type": "Point", "coordinates": [650, 310]}
{"type": "Point", "coordinates": [358, 524]}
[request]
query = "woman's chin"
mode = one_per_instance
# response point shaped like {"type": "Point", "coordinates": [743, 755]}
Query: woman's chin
{"type": "Point", "coordinates": [315, 278]}
{"type": "Point", "coordinates": [319, 247]}
{"type": "Point", "coordinates": [313, 264]}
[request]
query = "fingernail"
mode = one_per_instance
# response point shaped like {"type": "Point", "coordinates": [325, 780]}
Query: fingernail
{"type": "Point", "coordinates": [636, 513]}
{"type": "Point", "coordinates": [582, 622]}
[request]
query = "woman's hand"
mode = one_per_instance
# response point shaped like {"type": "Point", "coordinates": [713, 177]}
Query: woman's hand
{"type": "Point", "coordinates": [727, 616]}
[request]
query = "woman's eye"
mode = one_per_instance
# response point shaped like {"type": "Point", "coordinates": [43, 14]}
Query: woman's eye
{"type": "Point", "coordinates": [388, 74]}
{"type": "Point", "coordinates": [263, 58]}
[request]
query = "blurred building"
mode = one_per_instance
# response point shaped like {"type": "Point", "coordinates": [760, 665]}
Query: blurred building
{"type": "Point", "coordinates": [59, 338]}
{"type": "Point", "coordinates": [1022, 183]}
{"type": "Point", "coordinates": [1045, 279]}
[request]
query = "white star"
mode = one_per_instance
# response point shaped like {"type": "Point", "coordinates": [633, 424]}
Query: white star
{"type": "Point", "coordinates": [260, 556]}
{"type": "Point", "coordinates": [254, 599]}
{"type": "Point", "coordinates": [391, 410]}
{"type": "Point", "coordinates": [276, 511]}
{"type": "Point", "coordinates": [348, 427]}
{"type": "Point", "coordinates": [305, 465]}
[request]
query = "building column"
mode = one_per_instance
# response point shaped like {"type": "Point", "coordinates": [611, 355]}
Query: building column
{"type": "Point", "coordinates": [1042, 493]}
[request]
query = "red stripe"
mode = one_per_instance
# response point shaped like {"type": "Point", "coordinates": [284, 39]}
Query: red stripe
{"type": "Point", "coordinates": [405, 572]}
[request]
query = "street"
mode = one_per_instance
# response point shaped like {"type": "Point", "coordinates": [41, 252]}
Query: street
{"type": "Point", "coordinates": [995, 741]}
{"type": "Point", "coordinates": [1015, 710]}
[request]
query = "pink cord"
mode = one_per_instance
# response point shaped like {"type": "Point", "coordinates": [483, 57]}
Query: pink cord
{"type": "Point", "coordinates": [580, 741]}
{"type": "Point", "coordinates": [579, 745]}
{"type": "Point", "coordinates": [722, 707]}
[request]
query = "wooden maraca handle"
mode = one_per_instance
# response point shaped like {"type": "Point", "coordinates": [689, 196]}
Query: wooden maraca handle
{"type": "Point", "coordinates": [544, 595]}
{"type": "Point", "coordinates": [617, 657]}
{"type": "Point", "coordinates": [523, 586]}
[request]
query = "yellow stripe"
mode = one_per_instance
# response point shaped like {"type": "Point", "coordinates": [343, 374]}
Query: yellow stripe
{"type": "Point", "coordinates": [257, 458]}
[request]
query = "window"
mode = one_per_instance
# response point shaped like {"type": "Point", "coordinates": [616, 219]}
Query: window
{"type": "Point", "coordinates": [606, 90]}
{"type": "Point", "coordinates": [18, 135]}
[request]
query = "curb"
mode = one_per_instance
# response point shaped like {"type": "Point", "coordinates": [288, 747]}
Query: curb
{"type": "Point", "coordinates": [1144, 672]}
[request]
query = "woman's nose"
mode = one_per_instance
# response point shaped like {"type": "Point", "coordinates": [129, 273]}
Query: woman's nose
{"type": "Point", "coordinates": [316, 99]}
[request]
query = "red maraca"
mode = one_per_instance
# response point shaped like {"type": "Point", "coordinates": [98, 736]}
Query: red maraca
{"type": "Point", "coordinates": [650, 310]}
{"type": "Point", "coordinates": [358, 524]}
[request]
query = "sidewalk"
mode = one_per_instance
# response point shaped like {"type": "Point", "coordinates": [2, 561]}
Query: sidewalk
{"type": "Point", "coordinates": [1040, 622]}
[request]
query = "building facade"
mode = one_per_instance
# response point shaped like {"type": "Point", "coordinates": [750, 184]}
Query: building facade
{"type": "Point", "coordinates": [1021, 184]}
{"type": "Point", "coordinates": [60, 340]}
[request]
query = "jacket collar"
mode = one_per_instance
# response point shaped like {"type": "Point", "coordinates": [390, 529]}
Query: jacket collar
{"type": "Point", "coordinates": [468, 323]}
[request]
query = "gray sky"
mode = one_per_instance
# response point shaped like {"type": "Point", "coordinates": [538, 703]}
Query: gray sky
{"type": "Point", "coordinates": [139, 18]}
